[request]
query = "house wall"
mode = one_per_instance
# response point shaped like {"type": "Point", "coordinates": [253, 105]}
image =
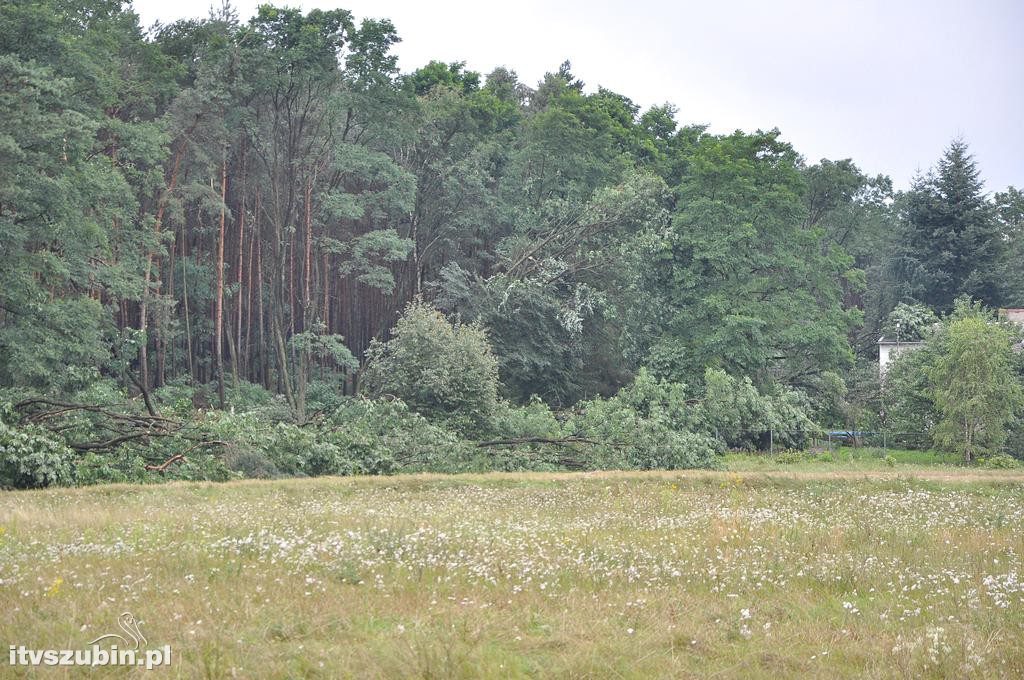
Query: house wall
{"type": "Point", "coordinates": [1016, 315]}
{"type": "Point", "coordinates": [889, 351]}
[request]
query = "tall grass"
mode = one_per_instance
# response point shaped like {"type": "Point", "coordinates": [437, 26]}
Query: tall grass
{"type": "Point", "coordinates": [534, 575]}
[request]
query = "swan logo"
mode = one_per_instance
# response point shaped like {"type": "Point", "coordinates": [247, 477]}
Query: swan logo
{"type": "Point", "coordinates": [130, 626]}
{"type": "Point", "coordinates": [122, 650]}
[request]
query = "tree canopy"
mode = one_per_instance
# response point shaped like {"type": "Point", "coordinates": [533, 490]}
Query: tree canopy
{"type": "Point", "coordinates": [234, 206]}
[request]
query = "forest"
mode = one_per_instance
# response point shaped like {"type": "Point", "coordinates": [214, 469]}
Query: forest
{"type": "Point", "coordinates": [252, 247]}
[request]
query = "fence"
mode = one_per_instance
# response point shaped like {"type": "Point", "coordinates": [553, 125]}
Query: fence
{"type": "Point", "coordinates": [772, 440]}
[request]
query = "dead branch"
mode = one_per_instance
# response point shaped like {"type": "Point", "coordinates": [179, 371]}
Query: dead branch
{"type": "Point", "coordinates": [145, 394]}
{"type": "Point", "coordinates": [62, 407]}
{"type": "Point", "coordinates": [163, 466]}
{"type": "Point", "coordinates": [180, 457]}
{"type": "Point", "coordinates": [565, 441]}
{"type": "Point", "coordinates": [110, 443]}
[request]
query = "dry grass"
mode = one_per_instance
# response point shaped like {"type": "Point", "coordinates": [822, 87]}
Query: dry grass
{"type": "Point", "coordinates": [839, 574]}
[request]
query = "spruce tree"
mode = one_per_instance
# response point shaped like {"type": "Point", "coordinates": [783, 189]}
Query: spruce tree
{"type": "Point", "coordinates": [952, 244]}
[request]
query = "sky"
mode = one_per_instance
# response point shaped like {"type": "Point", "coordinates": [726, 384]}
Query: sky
{"type": "Point", "coordinates": [888, 83]}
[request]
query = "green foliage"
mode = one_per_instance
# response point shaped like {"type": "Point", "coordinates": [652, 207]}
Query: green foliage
{"type": "Point", "coordinates": [999, 461]}
{"type": "Point", "coordinates": [951, 243]}
{"type": "Point", "coordinates": [443, 370]}
{"type": "Point", "coordinates": [533, 419]}
{"type": "Point", "coordinates": [321, 345]}
{"type": "Point", "coordinates": [735, 411]}
{"type": "Point", "coordinates": [976, 392]}
{"type": "Point", "coordinates": [251, 464]}
{"type": "Point", "coordinates": [386, 436]}
{"type": "Point", "coordinates": [910, 322]}
{"type": "Point", "coordinates": [118, 467]}
{"type": "Point", "coordinates": [644, 427]}
{"type": "Point", "coordinates": [907, 400]}
{"type": "Point", "coordinates": [360, 436]}
{"type": "Point", "coordinates": [962, 390]}
{"type": "Point", "coordinates": [31, 457]}
{"type": "Point", "coordinates": [740, 281]}
{"type": "Point", "coordinates": [243, 395]}
{"type": "Point", "coordinates": [278, 187]}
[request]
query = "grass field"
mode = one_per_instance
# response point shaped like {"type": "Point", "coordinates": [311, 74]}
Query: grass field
{"type": "Point", "coordinates": [833, 573]}
{"type": "Point", "coordinates": [861, 459]}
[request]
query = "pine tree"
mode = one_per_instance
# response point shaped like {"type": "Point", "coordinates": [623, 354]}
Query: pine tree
{"type": "Point", "coordinates": [952, 244]}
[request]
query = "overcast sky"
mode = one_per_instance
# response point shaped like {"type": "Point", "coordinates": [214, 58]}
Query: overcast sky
{"type": "Point", "coordinates": [886, 82]}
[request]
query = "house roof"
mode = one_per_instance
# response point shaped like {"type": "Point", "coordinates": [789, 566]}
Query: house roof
{"type": "Point", "coordinates": [883, 341]}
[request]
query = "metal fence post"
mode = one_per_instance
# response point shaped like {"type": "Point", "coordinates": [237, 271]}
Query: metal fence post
{"type": "Point", "coordinates": [771, 440]}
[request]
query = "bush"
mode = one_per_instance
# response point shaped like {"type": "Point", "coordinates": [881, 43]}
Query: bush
{"type": "Point", "coordinates": [735, 411]}
{"type": "Point", "coordinates": [198, 467]}
{"type": "Point", "coordinates": [323, 396]}
{"type": "Point", "coordinates": [385, 436]}
{"type": "Point", "coordinates": [246, 396]}
{"type": "Point", "coordinates": [325, 458]}
{"type": "Point", "coordinates": [177, 397]}
{"type": "Point", "coordinates": [645, 427]}
{"type": "Point", "coordinates": [443, 370]}
{"type": "Point", "coordinates": [31, 457]}
{"type": "Point", "coordinates": [534, 419]}
{"type": "Point", "coordinates": [118, 467]}
{"type": "Point", "coordinates": [999, 461]}
{"type": "Point", "coordinates": [251, 464]}
{"type": "Point", "coordinates": [289, 448]}
{"type": "Point", "coordinates": [793, 457]}
{"type": "Point", "coordinates": [361, 436]}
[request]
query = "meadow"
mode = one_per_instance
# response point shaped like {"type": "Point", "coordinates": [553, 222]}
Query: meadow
{"type": "Point", "coordinates": [829, 573]}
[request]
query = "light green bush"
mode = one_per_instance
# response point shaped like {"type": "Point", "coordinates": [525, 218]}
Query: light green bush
{"type": "Point", "coordinates": [645, 426]}
{"type": "Point", "coordinates": [442, 370]}
{"type": "Point", "coordinates": [31, 457]}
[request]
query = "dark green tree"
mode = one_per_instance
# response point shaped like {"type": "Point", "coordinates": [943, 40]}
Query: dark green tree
{"type": "Point", "coordinates": [742, 281]}
{"type": "Point", "coordinates": [951, 244]}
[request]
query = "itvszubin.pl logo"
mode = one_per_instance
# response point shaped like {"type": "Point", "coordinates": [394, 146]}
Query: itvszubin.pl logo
{"type": "Point", "coordinates": [119, 650]}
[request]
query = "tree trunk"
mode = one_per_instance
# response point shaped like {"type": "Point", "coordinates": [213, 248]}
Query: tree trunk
{"type": "Point", "coordinates": [264, 367]}
{"type": "Point", "coordinates": [237, 345]}
{"type": "Point", "coordinates": [218, 325]}
{"type": "Point", "coordinates": [184, 301]}
{"type": "Point", "coordinates": [144, 303]}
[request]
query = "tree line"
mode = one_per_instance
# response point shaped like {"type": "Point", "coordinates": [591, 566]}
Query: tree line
{"type": "Point", "coordinates": [226, 205]}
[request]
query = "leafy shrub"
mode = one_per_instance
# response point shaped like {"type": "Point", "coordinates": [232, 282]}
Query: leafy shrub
{"type": "Point", "coordinates": [384, 436]}
{"type": "Point", "coordinates": [644, 427]}
{"type": "Point", "coordinates": [907, 394]}
{"type": "Point", "coordinates": [890, 461]}
{"type": "Point", "coordinates": [31, 457]}
{"type": "Point", "coordinates": [325, 458]}
{"type": "Point", "coordinates": [735, 411]}
{"type": "Point", "coordinates": [323, 396]}
{"type": "Point", "coordinates": [199, 467]}
{"type": "Point", "coordinates": [251, 464]}
{"type": "Point", "coordinates": [443, 370]}
{"type": "Point", "coordinates": [289, 448]}
{"type": "Point", "coordinates": [122, 466]}
{"type": "Point", "coordinates": [999, 461]}
{"type": "Point", "coordinates": [793, 457]}
{"type": "Point", "coordinates": [534, 419]}
{"type": "Point", "coordinates": [246, 396]}
{"type": "Point", "coordinates": [177, 397]}
{"type": "Point", "coordinates": [361, 436]}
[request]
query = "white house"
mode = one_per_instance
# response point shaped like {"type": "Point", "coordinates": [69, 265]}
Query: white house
{"type": "Point", "coordinates": [1014, 314]}
{"type": "Point", "coordinates": [890, 349]}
